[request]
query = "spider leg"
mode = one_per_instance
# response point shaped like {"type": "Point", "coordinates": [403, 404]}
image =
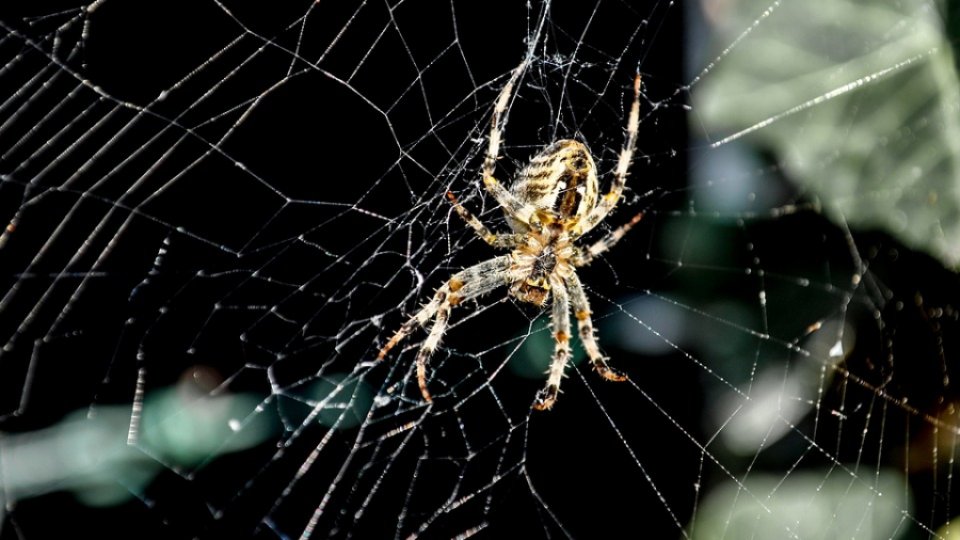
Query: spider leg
{"type": "Point", "coordinates": [560, 317]}
{"type": "Point", "coordinates": [610, 200]}
{"type": "Point", "coordinates": [503, 241]}
{"type": "Point", "coordinates": [497, 265]}
{"type": "Point", "coordinates": [476, 282]}
{"type": "Point", "coordinates": [601, 246]}
{"type": "Point", "coordinates": [469, 283]}
{"type": "Point", "coordinates": [430, 345]}
{"type": "Point", "coordinates": [510, 204]}
{"type": "Point", "coordinates": [581, 310]}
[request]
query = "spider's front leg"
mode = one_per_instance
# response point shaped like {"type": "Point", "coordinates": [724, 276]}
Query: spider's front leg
{"type": "Point", "coordinates": [560, 317]}
{"type": "Point", "coordinates": [469, 283]}
{"type": "Point", "coordinates": [581, 310]}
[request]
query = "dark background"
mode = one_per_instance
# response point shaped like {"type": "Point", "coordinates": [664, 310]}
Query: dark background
{"type": "Point", "coordinates": [177, 235]}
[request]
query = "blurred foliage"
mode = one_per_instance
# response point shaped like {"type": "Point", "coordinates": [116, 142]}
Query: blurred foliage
{"type": "Point", "coordinates": [113, 455]}
{"type": "Point", "coordinates": [808, 504]}
{"type": "Point", "coordinates": [858, 102]}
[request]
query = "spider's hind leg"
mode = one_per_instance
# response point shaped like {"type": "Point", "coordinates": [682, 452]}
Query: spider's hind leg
{"type": "Point", "coordinates": [511, 205]}
{"type": "Point", "coordinates": [610, 200]}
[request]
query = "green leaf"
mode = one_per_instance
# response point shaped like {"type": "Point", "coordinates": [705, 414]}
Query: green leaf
{"type": "Point", "coordinates": [857, 100]}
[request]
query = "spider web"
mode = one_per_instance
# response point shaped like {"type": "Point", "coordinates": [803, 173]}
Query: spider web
{"type": "Point", "coordinates": [219, 211]}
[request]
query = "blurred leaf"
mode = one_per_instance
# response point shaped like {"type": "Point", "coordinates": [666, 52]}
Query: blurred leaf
{"type": "Point", "coordinates": [819, 504]}
{"type": "Point", "coordinates": [858, 100]}
{"type": "Point", "coordinates": [93, 456]}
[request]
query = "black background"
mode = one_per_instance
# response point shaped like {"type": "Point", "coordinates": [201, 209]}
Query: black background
{"type": "Point", "coordinates": [374, 143]}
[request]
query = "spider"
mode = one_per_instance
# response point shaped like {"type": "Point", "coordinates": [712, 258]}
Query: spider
{"type": "Point", "coordinates": [553, 203]}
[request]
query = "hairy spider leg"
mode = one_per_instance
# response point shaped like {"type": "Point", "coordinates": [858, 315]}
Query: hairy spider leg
{"type": "Point", "coordinates": [581, 310]}
{"type": "Point", "coordinates": [469, 283]}
{"type": "Point", "coordinates": [601, 246]}
{"type": "Point", "coordinates": [430, 345]}
{"type": "Point", "coordinates": [501, 241]}
{"type": "Point", "coordinates": [476, 282]}
{"type": "Point", "coordinates": [610, 200]}
{"type": "Point", "coordinates": [510, 204]}
{"type": "Point", "coordinates": [560, 317]}
{"type": "Point", "coordinates": [453, 285]}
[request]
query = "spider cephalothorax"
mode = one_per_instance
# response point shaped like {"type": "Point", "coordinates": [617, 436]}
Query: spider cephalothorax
{"type": "Point", "coordinates": [553, 202]}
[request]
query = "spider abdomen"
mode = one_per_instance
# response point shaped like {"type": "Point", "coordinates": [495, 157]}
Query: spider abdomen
{"type": "Point", "coordinates": [561, 178]}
